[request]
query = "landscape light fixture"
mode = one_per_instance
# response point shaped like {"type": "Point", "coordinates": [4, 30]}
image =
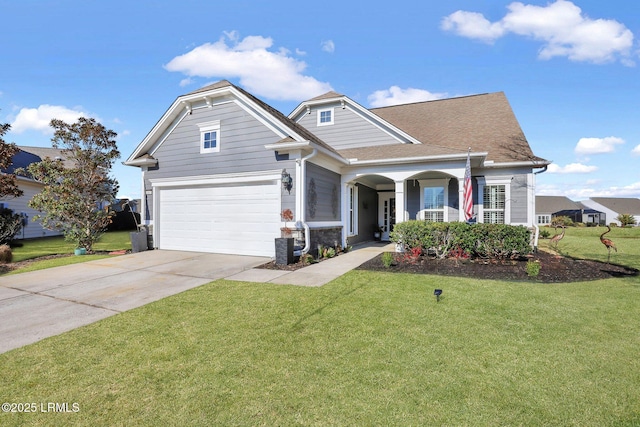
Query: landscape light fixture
{"type": "Point", "coordinates": [287, 181]}
{"type": "Point", "coordinates": [437, 293]}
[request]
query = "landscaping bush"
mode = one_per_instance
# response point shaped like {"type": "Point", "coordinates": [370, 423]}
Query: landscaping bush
{"type": "Point", "coordinates": [10, 225]}
{"type": "Point", "coordinates": [463, 240]}
{"type": "Point", "coordinates": [558, 221]}
{"type": "Point", "coordinates": [6, 256]}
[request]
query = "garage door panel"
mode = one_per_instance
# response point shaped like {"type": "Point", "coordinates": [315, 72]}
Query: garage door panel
{"type": "Point", "coordinates": [234, 219]}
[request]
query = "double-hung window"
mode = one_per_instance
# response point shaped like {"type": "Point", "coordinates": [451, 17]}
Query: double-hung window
{"type": "Point", "coordinates": [210, 137]}
{"type": "Point", "coordinates": [434, 200]}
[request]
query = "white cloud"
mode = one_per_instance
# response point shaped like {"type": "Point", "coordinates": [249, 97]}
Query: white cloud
{"type": "Point", "coordinates": [636, 151]}
{"type": "Point", "coordinates": [39, 118]}
{"type": "Point", "coordinates": [472, 25]}
{"type": "Point", "coordinates": [598, 145]}
{"type": "Point", "coordinates": [328, 46]}
{"type": "Point", "coordinates": [572, 168]}
{"type": "Point", "coordinates": [561, 26]}
{"type": "Point", "coordinates": [396, 95]}
{"type": "Point", "coordinates": [274, 75]}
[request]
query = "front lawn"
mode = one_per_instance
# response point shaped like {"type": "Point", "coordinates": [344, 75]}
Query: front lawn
{"type": "Point", "coordinates": [47, 246]}
{"type": "Point", "coordinates": [584, 243]}
{"type": "Point", "coordinates": [366, 349]}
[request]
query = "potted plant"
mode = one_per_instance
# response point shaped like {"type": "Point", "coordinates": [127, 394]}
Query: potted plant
{"type": "Point", "coordinates": [284, 244]}
{"type": "Point", "coordinates": [377, 232]}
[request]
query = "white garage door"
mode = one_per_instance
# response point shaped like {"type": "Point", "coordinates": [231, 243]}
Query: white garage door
{"type": "Point", "coordinates": [232, 219]}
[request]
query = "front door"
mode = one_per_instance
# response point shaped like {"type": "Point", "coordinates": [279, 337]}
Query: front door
{"type": "Point", "coordinates": [386, 213]}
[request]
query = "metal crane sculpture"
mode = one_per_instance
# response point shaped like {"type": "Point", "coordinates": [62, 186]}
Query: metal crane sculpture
{"type": "Point", "coordinates": [555, 239]}
{"type": "Point", "coordinates": [608, 243]}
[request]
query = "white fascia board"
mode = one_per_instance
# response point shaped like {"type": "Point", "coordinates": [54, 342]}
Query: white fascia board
{"type": "Point", "coordinates": [443, 157]}
{"type": "Point", "coordinates": [530, 163]}
{"type": "Point", "coordinates": [288, 146]}
{"type": "Point", "coordinates": [140, 162]}
{"type": "Point", "coordinates": [303, 106]}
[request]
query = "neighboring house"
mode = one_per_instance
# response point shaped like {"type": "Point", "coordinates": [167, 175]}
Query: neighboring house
{"type": "Point", "coordinates": [30, 187]}
{"type": "Point", "coordinates": [614, 206]}
{"type": "Point", "coordinates": [220, 166]}
{"type": "Point", "coordinates": [548, 207]}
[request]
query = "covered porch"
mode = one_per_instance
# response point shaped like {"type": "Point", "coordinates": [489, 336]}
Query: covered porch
{"type": "Point", "coordinates": [375, 201]}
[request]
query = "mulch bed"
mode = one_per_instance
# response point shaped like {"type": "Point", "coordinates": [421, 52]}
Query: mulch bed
{"type": "Point", "coordinates": [554, 268]}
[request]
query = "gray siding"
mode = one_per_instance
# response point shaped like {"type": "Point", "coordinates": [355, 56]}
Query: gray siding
{"type": "Point", "coordinates": [350, 129]}
{"type": "Point", "coordinates": [519, 202]}
{"type": "Point", "coordinates": [413, 199]}
{"type": "Point", "coordinates": [323, 194]}
{"type": "Point", "coordinates": [454, 200]}
{"type": "Point", "coordinates": [242, 140]}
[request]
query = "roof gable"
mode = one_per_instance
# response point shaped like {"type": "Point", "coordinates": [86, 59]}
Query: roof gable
{"type": "Point", "coordinates": [223, 91]}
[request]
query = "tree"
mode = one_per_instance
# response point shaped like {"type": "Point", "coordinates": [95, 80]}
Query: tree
{"type": "Point", "coordinates": [72, 196]}
{"type": "Point", "coordinates": [8, 182]}
{"type": "Point", "coordinates": [626, 219]}
{"type": "Point", "coordinates": [10, 222]}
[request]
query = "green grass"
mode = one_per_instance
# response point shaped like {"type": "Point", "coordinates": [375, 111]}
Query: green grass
{"type": "Point", "coordinates": [584, 242]}
{"type": "Point", "coordinates": [35, 248]}
{"type": "Point", "coordinates": [366, 349]}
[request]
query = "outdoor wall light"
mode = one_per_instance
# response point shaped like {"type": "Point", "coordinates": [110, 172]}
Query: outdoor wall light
{"type": "Point", "coordinates": [287, 181]}
{"type": "Point", "coordinates": [437, 293]}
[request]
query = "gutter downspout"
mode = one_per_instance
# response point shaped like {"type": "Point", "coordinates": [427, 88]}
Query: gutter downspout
{"type": "Point", "coordinates": [301, 217]}
{"type": "Point", "coordinates": [537, 234]}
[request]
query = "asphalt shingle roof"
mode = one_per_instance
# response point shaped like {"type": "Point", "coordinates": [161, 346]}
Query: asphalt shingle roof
{"type": "Point", "coordinates": [484, 123]}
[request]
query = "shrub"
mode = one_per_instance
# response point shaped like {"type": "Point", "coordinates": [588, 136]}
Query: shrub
{"type": "Point", "coordinates": [462, 239]}
{"type": "Point", "coordinates": [10, 225]}
{"type": "Point", "coordinates": [557, 221]}
{"type": "Point", "coordinates": [6, 256]}
{"type": "Point", "coordinates": [412, 234]}
{"type": "Point", "coordinates": [387, 259]}
{"type": "Point", "coordinates": [626, 219]}
{"type": "Point", "coordinates": [544, 234]}
{"type": "Point", "coordinates": [532, 268]}
{"type": "Point", "coordinates": [413, 255]}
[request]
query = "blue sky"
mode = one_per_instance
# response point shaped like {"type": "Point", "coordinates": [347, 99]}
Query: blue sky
{"type": "Point", "coordinates": [570, 69]}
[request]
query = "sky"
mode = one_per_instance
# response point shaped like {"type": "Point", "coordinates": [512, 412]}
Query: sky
{"type": "Point", "coordinates": [570, 69]}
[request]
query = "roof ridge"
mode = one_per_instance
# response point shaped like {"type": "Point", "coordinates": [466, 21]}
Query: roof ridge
{"type": "Point", "coordinates": [453, 98]}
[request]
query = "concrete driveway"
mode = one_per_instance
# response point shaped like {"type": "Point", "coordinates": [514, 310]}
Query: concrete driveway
{"type": "Point", "coordinates": [44, 303]}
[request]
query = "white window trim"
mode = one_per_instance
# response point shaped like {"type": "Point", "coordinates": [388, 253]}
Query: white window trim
{"type": "Point", "coordinates": [352, 205]}
{"type": "Point", "coordinates": [427, 183]}
{"type": "Point", "coordinates": [506, 181]}
{"type": "Point", "coordinates": [213, 126]}
{"type": "Point", "coordinates": [329, 123]}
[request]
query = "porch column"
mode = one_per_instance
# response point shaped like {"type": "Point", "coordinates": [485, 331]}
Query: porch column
{"type": "Point", "coordinates": [401, 203]}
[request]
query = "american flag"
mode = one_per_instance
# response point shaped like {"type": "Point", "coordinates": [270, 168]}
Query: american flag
{"type": "Point", "coordinates": [468, 190]}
